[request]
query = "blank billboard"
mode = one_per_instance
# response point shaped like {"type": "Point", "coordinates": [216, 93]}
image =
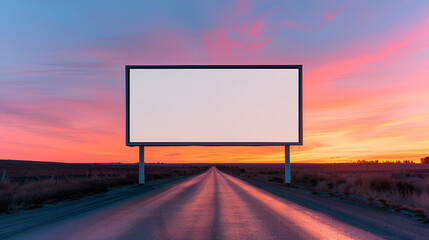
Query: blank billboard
{"type": "Point", "coordinates": [214, 105]}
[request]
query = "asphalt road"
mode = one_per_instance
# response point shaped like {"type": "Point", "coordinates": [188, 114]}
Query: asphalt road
{"type": "Point", "coordinates": [215, 205]}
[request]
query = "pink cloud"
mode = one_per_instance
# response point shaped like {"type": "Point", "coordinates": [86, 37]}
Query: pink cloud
{"type": "Point", "coordinates": [248, 36]}
{"type": "Point", "coordinates": [329, 17]}
{"type": "Point", "coordinates": [324, 20]}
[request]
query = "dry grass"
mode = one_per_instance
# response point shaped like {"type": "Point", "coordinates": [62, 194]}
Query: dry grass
{"type": "Point", "coordinates": [14, 196]}
{"type": "Point", "coordinates": [401, 186]}
{"type": "Point", "coordinates": [50, 182]}
{"type": "Point", "coordinates": [408, 192]}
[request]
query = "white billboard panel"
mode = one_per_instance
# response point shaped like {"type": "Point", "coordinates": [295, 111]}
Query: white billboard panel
{"type": "Point", "coordinates": [214, 105]}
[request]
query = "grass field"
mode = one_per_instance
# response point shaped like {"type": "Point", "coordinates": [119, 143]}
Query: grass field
{"type": "Point", "coordinates": [397, 185]}
{"type": "Point", "coordinates": [29, 184]}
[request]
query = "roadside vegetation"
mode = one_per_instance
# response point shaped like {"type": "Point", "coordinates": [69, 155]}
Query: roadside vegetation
{"type": "Point", "coordinates": [400, 186]}
{"type": "Point", "coordinates": [28, 185]}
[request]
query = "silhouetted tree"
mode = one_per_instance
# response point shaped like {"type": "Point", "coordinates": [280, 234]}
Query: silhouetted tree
{"type": "Point", "coordinates": [424, 160]}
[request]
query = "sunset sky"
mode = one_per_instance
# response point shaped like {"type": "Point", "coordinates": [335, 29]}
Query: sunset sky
{"type": "Point", "coordinates": [365, 64]}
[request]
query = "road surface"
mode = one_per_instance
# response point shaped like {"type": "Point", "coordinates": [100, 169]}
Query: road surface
{"type": "Point", "coordinates": [216, 205]}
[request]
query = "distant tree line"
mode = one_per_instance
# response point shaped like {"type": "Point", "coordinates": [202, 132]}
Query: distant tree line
{"type": "Point", "coordinates": [424, 160]}
{"type": "Point", "coordinates": [379, 161]}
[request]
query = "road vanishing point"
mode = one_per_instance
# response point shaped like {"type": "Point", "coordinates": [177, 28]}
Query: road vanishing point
{"type": "Point", "coordinates": [210, 205]}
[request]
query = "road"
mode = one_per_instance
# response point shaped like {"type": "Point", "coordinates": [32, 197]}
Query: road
{"type": "Point", "coordinates": [216, 205]}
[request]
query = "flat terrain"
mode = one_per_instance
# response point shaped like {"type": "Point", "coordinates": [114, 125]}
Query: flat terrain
{"type": "Point", "coordinates": [211, 205]}
{"type": "Point", "coordinates": [33, 171]}
{"type": "Point", "coordinates": [401, 186]}
{"type": "Point", "coordinates": [30, 184]}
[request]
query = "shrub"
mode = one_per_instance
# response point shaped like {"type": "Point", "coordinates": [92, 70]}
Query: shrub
{"type": "Point", "coordinates": [277, 179]}
{"type": "Point", "coordinates": [406, 188]}
{"type": "Point", "coordinates": [381, 184]}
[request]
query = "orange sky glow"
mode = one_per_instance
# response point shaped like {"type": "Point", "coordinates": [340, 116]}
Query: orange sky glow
{"type": "Point", "coordinates": [365, 76]}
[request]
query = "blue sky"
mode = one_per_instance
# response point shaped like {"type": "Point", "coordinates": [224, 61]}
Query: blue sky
{"type": "Point", "coordinates": [62, 71]}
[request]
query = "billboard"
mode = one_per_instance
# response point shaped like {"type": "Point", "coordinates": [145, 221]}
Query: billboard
{"type": "Point", "coordinates": [214, 105]}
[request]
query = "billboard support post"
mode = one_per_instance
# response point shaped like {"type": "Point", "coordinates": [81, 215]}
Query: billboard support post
{"type": "Point", "coordinates": [287, 164]}
{"type": "Point", "coordinates": [141, 165]}
{"type": "Point", "coordinates": [144, 82]}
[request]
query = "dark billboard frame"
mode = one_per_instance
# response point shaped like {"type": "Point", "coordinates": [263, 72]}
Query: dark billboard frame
{"type": "Point", "coordinates": [127, 99]}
